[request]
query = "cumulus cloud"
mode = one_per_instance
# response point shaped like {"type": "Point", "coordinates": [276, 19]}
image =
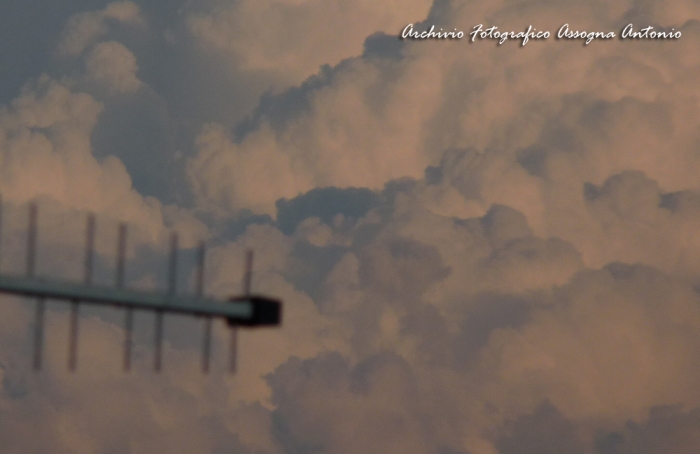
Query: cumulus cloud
{"type": "Point", "coordinates": [46, 151]}
{"type": "Point", "coordinates": [482, 248]}
{"type": "Point", "coordinates": [347, 132]}
{"type": "Point", "coordinates": [380, 119]}
{"type": "Point", "coordinates": [113, 65]}
{"type": "Point", "coordinates": [84, 28]}
{"type": "Point", "coordinates": [292, 39]}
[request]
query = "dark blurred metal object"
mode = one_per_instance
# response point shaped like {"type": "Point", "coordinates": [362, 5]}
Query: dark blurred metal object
{"type": "Point", "coordinates": [247, 310]}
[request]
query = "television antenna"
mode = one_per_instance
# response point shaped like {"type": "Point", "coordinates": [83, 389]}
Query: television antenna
{"type": "Point", "coordinates": [247, 310]}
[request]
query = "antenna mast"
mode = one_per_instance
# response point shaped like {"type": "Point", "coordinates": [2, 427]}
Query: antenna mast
{"type": "Point", "coordinates": [246, 310]}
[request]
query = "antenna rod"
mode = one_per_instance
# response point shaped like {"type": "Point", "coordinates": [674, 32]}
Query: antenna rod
{"type": "Point", "coordinates": [245, 310]}
{"type": "Point", "coordinates": [38, 332]}
{"type": "Point", "coordinates": [73, 337]}
{"type": "Point", "coordinates": [172, 287]}
{"type": "Point", "coordinates": [75, 307]}
{"type": "Point", "coordinates": [199, 290]}
{"type": "Point", "coordinates": [31, 240]}
{"type": "Point", "coordinates": [40, 303]}
{"type": "Point", "coordinates": [248, 278]}
{"type": "Point", "coordinates": [119, 283]}
{"type": "Point", "coordinates": [89, 247]}
{"type": "Point", "coordinates": [172, 276]}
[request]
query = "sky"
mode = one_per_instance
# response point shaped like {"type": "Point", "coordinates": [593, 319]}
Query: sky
{"type": "Point", "coordinates": [482, 248]}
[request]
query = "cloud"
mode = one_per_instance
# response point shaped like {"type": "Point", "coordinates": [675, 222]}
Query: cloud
{"type": "Point", "coordinates": [46, 151]}
{"type": "Point", "coordinates": [325, 203]}
{"type": "Point", "coordinates": [544, 431]}
{"type": "Point", "coordinates": [84, 28]}
{"type": "Point", "coordinates": [99, 408]}
{"type": "Point", "coordinates": [613, 327]}
{"type": "Point", "coordinates": [115, 66]}
{"type": "Point", "coordinates": [668, 429]}
{"type": "Point", "coordinates": [292, 39]}
{"type": "Point", "coordinates": [336, 144]}
{"type": "Point", "coordinates": [573, 106]}
{"type": "Point", "coordinates": [481, 248]}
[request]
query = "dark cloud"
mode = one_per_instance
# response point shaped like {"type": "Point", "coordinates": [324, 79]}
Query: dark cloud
{"type": "Point", "coordinates": [26, 38]}
{"type": "Point", "coordinates": [381, 45]}
{"type": "Point", "coordinates": [669, 429]}
{"type": "Point", "coordinates": [325, 203]}
{"type": "Point", "coordinates": [503, 224]}
{"type": "Point", "coordinates": [400, 269]}
{"type": "Point", "coordinates": [142, 134]}
{"type": "Point", "coordinates": [487, 313]}
{"type": "Point", "coordinates": [309, 268]}
{"type": "Point", "coordinates": [546, 431]}
{"type": "Point", "coordinates": [277, 109]}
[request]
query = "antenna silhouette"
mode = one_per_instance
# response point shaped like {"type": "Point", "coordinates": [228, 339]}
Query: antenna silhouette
{"type": "Point", "coordinates": [247, 310]}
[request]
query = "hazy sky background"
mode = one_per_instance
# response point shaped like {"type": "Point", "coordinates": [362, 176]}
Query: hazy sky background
{"type": "Point", "coordinates": [482, 248]}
